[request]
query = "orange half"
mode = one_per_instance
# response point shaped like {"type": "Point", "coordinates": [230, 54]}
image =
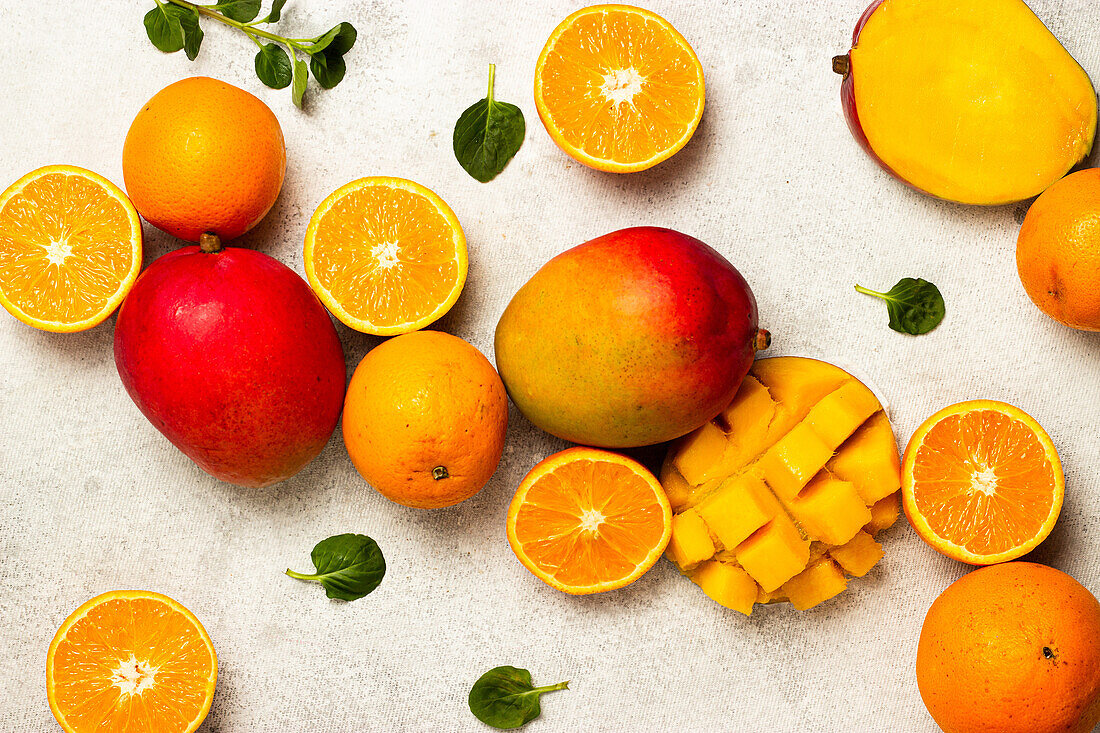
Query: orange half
{"type": "Point", "coordinates": [70, 248]}
{"type": "Point", "coordinates": [618, 88]}
{"type": "Point", "coordinates": [587, 521]}
{"type": "Point", "coordinates": [982, 482]}
{"type": "Point", "coordinates": [385, 255]}
{"type": "Point", "coordinates": [132, 661]}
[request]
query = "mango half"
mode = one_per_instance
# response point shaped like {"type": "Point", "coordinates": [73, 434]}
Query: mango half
{"type": "Point", "coordinates": [973, 101]}
{"type": "Point", "coordinates": [779, 497]}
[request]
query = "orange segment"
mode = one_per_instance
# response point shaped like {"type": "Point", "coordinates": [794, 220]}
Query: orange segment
{"type": "Point", "coordinates": [587, 521]}
{"type": "Point", "coordinates": [385, 255]}
{"type": "Point", "coordinates": [70, 248]}
{"type": "Point", "coordinates": [618, 88]}
{"type": "Point", "coordinates": [132, 661]}
{"type": "Point", "coordinates": [982, 482]}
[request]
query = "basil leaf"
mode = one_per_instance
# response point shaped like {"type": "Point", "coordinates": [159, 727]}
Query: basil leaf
{"type": "Point", "coordinates": [300, 76]}
{"type": "Point", "coordinates": [276, 12]}
{"type": "Point", "coordinates": [162, 25]}
{"type": "Point", "coordinates": [192, 33]}
{"type": "Point", "coordinates": [504, 697]}
{"type": "Point", "coordinates": [242, 11]}
{"type": "Point", "coordinates": [337, 41]}
{"type": "Point", "coordinates": [349, 566]}
{"type": "Point", "coordinates": [327, 71]}
{"type": "Point", "coordinates": [488, 135]}
{"type": "Point", "coordinates": [915, 305]}
{"type": "Point", "coordinates": [273, 66]}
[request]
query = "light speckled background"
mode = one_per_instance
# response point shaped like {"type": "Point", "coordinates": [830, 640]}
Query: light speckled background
{"type": "Point", "coordinates": [92, 498]}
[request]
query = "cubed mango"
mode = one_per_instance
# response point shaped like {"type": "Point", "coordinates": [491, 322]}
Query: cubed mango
{"type": "Point", "coordinates": [858, 555]}
{"type": "Point", "coordinates": [740, 506]}
{"type": "Point", "coordinates": [884, 513]}
{"type": "Point", "coordinates": [698, 453]}
{"type": "Point", "coordinates": [830, 510]}
{"type": "Point", "coordinates": [774, 554]}
{"type": "Point", "coordinates": [690, 543]}
{"type": "Point", "coordinates": [816, 584]}
{"type": "Point", "coordinates": [869, 459]}
{"type": "Point", "coordinates": [727, 585]}
{"type": "Point", "coordinates": [841, 412]}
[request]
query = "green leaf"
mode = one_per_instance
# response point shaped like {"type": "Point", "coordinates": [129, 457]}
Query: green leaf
{"type": "Point", "coordinates": [192, 33]}
{"type": "Point", "coordinates": [300, 78]}
{"type": "Point", "coordinates": [276, 12]}
{"type": "Point", "coordinates": [488, 135]}
{"type": "Point", "coordinates": [915, 305]}
{"type": "Point", "coordinates": [242, 11]}
{"type": "Point", "coordinates": [337, 41]}
{"type": "Point", "coordinates": [328, 71]}
{"type": "Point", "coordinates": [349, 566]}
{"type": "Point", "coordinates": [504, 697]}
{"type": "Point", "coordinates": [273, 66]}
{"type": "Point", "coordinates": [162, 25]}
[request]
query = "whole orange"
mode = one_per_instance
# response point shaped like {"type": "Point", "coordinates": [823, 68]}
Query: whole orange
{"type": "Point", "coordinates": [204, 156]}
{"type": "Point", "coordinates": [1012, 648]}
{"type": "Point", "coordinates": [424, 419]}
{"type": "Point", "coordinates": [1058, 251]}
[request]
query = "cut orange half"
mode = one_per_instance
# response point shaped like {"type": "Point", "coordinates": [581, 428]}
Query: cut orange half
{"type": "Point", "coordinates": [132, 661]}
{"type": "Point", "coordinates": [385, 255]}
{"type": "Point", "coordinates": [587, 521]}
{"type": "Point", "coordinates": [982, 482]}
{"type": "Point", "coordinates": [618, 88]}
{"type": "Point", "coordinates": [70, 248]}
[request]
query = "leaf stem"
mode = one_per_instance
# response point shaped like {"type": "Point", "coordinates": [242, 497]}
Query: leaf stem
{"type": "Point", "coordinates": [246, 28]}
{"type": "Point", "coordinates": [552, 688]}
{"type": "Point", "coordinates": [865, 291]}
{"type": "Point", "coordinates": [492, 81]}
{"type": "Point", "coordinates": [301, 576]}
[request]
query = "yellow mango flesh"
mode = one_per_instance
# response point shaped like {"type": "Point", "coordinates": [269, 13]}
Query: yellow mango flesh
{"type": "Point", "coordinates": [973, 101]}
{"type": "Point", "coordinates": [809, 468]}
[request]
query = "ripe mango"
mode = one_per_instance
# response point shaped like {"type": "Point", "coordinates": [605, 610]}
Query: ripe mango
{"type": "Point", "coordinates": [633, 338]}
{"type": "Point", "coordinates": [785, 488]}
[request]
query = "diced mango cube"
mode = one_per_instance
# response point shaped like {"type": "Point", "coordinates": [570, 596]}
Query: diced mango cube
{"type": "Point", "coordinates": [859, 555]}
{"type": "Point", "coordinates": [816, 584]}
{"type": "Point", "coordinates": [739, 507]}
{"type": "Point", "coordinates": [775, 596]}
{"type": "Point", "coordinates": [796, 384]}
{"type": "Point", "coordinates": [728, 585]}
{"type": "Point", "coordinates": [884, 513]}
{"type": "Point", "coordinates": [841, 412]}
{"type": "Point", "coordinates": [794, 460]}
{"type": "Point", "coordinates": [748, 418]}
{"type": "Point", "coordinates": [690, 543]}
{"type": "Point", "coordinates": [774, 554]}
{"type": "Point", "coordinates": [869, 459]}
{"type": "Point", "coordinates": [698, 453]}
{"type": "Point", "coordinates": [678, 490]}
{"type": "Point", "coordinates": [830, 510]}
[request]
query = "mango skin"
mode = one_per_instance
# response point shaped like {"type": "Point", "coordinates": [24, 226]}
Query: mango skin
{"type": "Point", "coordinates": [633, 338]}
{"type": "Point", "coordinates": [231, 356]}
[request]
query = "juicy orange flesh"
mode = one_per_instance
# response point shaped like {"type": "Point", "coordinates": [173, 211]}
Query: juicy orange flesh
{"type": "Point", "coordinates": [620, 87]}
{"type": "Point", "coordinates": [589, 522]}
{"type": "Point", "coordinates": [983, 481]}
{"type": "Point", "coordinates": [971, 100]}
{"type": "Point", "coordinates": [65, 247]}
{"type": "Point", "coordinates": [387, 255]}
{"type": "Point", "coordinates": [133, 665]}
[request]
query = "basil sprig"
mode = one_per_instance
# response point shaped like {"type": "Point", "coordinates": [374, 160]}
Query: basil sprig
{"type": "Point", "coordinates": [915, 306]}
{"type": "Point", "coordinates": [349, 566]}
{"type": "Point", "coordinates": [504, 697]}
{"type": "Point", "coordinates": [174, 25]}
{"type": "Point", "coordinates": [488, 135]}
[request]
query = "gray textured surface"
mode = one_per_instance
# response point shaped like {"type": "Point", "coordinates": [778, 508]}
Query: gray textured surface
{"type": "Point", "coordinates": [93, 498]}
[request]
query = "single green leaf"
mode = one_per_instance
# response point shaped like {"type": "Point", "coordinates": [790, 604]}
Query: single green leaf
{"type": "Point", "coordinates": [488, 135]}
{"type": "Point", "coordinates": [242, 11]}
{"type": "Point", "coordinates": [349, 566]}
{"type": "Point", "coordinates": [327, 70]}
{"type": "Point", "coordinates": [300, 78]}
{"type": "Point", "coordinates": [192, 33]}
{"type": "Point", "coordinates": [915, 305]}
{"type": "Point", "coordinates": [162, 25]}
{"type": "Point", "coordinates": [337, 41]}
{"type": "Point", "coordinates": [273, 66]}
{"type": "Point", "coordinates": [275, 13]}
{"type": "Point", "coordinates": [504, 697]}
